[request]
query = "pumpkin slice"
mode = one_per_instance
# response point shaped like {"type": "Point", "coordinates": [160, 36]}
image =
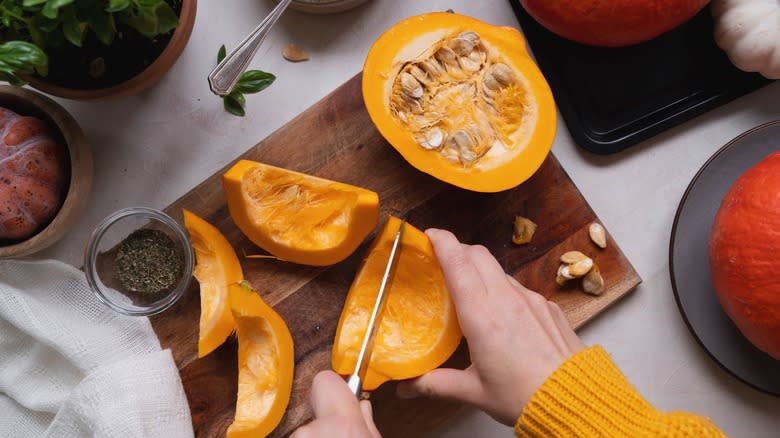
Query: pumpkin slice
{"type": "Point", "coordinates": [297, 217]}
{"type": "Point", "coordinates": [461, 100]}
{"type": "Point", "coordinates": [265, 364]}
{"type": "Point", "coordinates": [216, 268]}
{"type": "Point", "coordinates": [419, 329]}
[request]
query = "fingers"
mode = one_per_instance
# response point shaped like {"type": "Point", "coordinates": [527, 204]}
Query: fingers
{"type": "Point", "coordinates": [444, 383]}
{"type": "Point", "coordinates": [368, 417]}
{"type": "Point", "coordinates": [330, 396]}
{"type": "Point", "coordinates": [490, 271]}
{"type": "Point", "coordinates": [460, 274]}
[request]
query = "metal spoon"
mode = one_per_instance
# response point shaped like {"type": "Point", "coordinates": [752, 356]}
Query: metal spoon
{"type": "Point", "coordinates": [225, 75]}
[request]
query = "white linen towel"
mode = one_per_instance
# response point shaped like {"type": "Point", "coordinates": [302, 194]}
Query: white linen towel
{"type": "Point", "coordinates": [72, 367]}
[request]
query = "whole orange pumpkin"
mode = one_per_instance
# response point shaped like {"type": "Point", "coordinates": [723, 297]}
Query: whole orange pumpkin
{"type": "Point", "coordinates": [33, 172]}
{"type": "Point", "coordinates": [612, 23]}
{"type": "Point", "coordinates": [744, 254]}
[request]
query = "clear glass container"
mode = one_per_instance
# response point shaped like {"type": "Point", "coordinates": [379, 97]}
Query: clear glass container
{"type": "Point", "coordinates": [100, 261]}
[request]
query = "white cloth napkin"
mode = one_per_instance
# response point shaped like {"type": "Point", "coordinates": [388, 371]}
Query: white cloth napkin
{"type": "Point", "coordinates": [71, 367]}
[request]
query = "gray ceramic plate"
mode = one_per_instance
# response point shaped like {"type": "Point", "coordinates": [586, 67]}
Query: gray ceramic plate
{"type": "Point", "coordinates": [689, 267]}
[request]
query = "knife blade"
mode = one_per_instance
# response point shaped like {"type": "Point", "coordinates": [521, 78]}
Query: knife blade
{"type": "Point", "coordinates": [355, 381]}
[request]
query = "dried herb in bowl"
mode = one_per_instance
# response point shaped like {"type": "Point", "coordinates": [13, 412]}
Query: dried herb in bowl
{"type": "Point", "coordinates": [148, 261]}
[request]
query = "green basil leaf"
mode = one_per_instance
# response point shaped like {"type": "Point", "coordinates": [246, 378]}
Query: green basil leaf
{"type": "Point", "coordinates": [53, 6]}
{"type": "Point", "coordinates": [167, 20]}
{"type": "Point", "coordinates": [234, 104]}
{"type": "Point", "coordinates": [221, 54]}
{"type": "Point", "coordinates": [11, 79]}
{"type": "Point", "coordinates": [73, 29]}
{"type": "Point", "coordinates": [102, 23]}
{"type": "Point", "coordinates": [117, 5]}
{"type": "Point", "coordinates": [21, 57]}
{"type": "Point", "coordinates": [36, 35]}
{"type": "Point", "coordinates": [254, 81]}
{"type": "Point", "coordinates": [149, 2]}
{"type": "Point", "coordinates": [28, 3]}
{"type": "Point", "coordinates": [44, 24]}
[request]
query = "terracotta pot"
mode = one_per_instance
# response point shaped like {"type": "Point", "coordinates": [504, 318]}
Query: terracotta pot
{"type": "Point", "coordinates": [29, 103]}
{"type": "Point", "coordinates": [143, 80]}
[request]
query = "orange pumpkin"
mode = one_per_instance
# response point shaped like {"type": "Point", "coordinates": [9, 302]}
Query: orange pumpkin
{"type": "Point", "coordinates": [297, 217]}
{"type": "Point", "coordinates": [743, 254]}
{"type": "Point", "coordinates": [419, 328]}
{"type": "Point", "coordinates": [33, 173]}
{"type": "Point", "coordinates": [612, 23]}
{"type": "Point", "coordinates": [460, 100]}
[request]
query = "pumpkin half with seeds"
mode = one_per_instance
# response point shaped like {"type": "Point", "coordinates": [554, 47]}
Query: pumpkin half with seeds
{"type": "Point", "coordinates": [461, 100]}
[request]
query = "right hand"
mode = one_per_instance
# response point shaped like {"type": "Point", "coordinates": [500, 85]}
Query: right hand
{"type": "Point", "coordinates": [516, 337]}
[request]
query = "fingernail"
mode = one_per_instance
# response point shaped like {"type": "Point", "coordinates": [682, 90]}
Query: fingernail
{"type": "Point", "coordinates": [431, 231]}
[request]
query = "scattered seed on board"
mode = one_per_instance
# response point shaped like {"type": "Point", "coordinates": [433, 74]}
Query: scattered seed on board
{"type": "Point", "coordinates": [598, 235]}
{"type": "Point", "coordinates": [294, 53]}
{"type": "Point", "coordinates": [524, 230]}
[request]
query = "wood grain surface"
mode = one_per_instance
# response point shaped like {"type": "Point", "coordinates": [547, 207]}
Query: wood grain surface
{"type": "Point", "coordinates": [335, 139]}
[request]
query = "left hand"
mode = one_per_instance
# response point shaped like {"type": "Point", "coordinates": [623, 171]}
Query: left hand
{"type": "Point", "coordinates": [337, 412]}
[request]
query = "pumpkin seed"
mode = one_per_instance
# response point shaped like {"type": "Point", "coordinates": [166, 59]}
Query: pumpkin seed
{"type": "Point", "coordinates": [462, 87]}
{"type": "Point", "coordinates": [598, 235]}
{"type": "Point", "coordinates": [294, 53]}
{"type": "Point", "coordinates": [524, 230]}
{"type": "Point", "coordinates": [593, 282]}
{"type": "Point", "coordinates": [572, 257]}
{"type": "Point", "coordinates": [581, 267]}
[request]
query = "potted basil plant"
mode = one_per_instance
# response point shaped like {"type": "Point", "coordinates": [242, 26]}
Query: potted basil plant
{"type": "Point", "coordinates": [92, 49]}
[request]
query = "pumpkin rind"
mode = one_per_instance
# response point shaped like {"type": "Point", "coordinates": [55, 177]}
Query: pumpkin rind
{"type": "Point", "coordinates": [749, 32]}
{"type": "Point", "coordinates": [402, 43]}
{"type": "Point", "coordinates": [297, 217]}
{"type": "Point", "coordinates": [419, 328]}
{"type": "Point", "coordinates": [743, 254]}
{"type": "Point", "coordinates": [612, 23]}
{"type": "Point", "coordinates": [33, 172]}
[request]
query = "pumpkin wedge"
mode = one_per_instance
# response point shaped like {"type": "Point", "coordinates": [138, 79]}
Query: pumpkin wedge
{"type": "Point", "coordinates": [419, 328]}
{"type": "Point", "coordinates": [216, 268]}
{"type": "Point", "coordinates": [265, 364]}
{"type": "Point", "coordinates": [297, 217]}
{"type": "Point", "coordinates": [461, 100]}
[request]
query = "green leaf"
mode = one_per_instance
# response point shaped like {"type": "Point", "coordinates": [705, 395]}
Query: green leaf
{"type": "Point", "coordinates": [11, 79]}
{"type": "Point", "coordinates": [234, 104]}
{"type": "Point", "coordinates": [102, 23]}
{"type": "Point", "coordinates": [167, 20]}
{"type": "Point", "coordinates": [21, 57]}
{"type": "Point", "coordinates": [254, 81]}
{"type": "Point", "coordinates": [28, 3]}
{"type": "Point", "coordinates": [221, 54]}
{"type": "Point", "coordinates": [71, 27]}
{"type": "Point", "coordinates": [117, 5]}
{"type": "Point", "coordinates": [44, 24]}
{"type": "Point", "coordinates": [52, 7]}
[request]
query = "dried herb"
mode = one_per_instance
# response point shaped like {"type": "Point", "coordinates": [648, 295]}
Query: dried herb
{"type": "Point", "coordinates": [148, 261]}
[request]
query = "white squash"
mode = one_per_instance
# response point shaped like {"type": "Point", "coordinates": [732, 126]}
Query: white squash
{"type": "Point", "coordinates": [749, 32]}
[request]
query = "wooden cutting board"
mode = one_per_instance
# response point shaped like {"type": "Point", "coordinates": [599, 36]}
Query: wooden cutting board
{"type": "Point", "coordinates": [335, 139]}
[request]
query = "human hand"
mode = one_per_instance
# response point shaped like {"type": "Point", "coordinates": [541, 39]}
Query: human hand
{"type": "Point", "coordinates": [337, 412]}
{"type": "Point", "coordinates": [516, 337]}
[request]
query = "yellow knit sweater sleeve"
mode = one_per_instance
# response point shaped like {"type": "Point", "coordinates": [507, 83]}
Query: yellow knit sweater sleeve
{"type": "Point", "coordinates": [589, 397]}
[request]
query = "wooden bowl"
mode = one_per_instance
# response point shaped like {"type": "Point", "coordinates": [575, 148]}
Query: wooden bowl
{"type": "Point", "coordinates": [29, 103]}
{"type": "Point", "coordinates": [148, 77]}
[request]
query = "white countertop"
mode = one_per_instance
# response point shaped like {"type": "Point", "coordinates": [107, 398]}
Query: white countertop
{"type": "Point", "coordinates": [152, 148]}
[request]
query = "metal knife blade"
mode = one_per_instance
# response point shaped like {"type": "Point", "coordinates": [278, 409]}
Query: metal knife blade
{"type": "Point", "coordinates": [355, 381]}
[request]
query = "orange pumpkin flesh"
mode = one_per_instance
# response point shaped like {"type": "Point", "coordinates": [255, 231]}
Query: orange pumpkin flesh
{"type": "Point", "coordinates": [297, 217]}
{"type": "Point", "coordinates": [217, 267]}
{"type": "Point", "coordinates": [612, 23]}
{"type": "Point", "coordinates": [446, 107]}
{"type": "Point", "coordinates": [265, 346]}
{"type": "Point", "coordinates": [419, 329]}
{"type": "Point", "coordinates": [743, 254]}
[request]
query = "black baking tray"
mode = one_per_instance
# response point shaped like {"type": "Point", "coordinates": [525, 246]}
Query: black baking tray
{"type": "Point", "coordinates": [613, 98]}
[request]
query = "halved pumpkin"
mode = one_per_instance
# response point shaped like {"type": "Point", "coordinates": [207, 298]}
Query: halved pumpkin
{"type": "Point", "coordinates": [461, 100]}
{"type": "Point", "coordinates": [297, 217]}
{"type": "Point", "coordinates": [216, 268]}
{"type": "Point", "coordinates": [419, 328]}
{"type": "Point", "coordinates": [265, 364]}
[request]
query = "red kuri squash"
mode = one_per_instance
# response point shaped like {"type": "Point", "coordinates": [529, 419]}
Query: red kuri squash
{"type": "Point", "coordinates": [612, 23]}
{"type": "Point", "coordinates": [744, 254]}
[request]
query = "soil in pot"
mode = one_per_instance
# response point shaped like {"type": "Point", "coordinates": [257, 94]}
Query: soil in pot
{"type": "Point", "coordinates": [95, 65]}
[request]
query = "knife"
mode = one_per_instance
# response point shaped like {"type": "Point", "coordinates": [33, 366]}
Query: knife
{"type": "Point", "coordinates": [355, 381]}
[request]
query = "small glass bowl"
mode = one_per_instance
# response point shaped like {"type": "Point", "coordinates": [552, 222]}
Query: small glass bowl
{"type": "Point", "coordinates": [100, 269]}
